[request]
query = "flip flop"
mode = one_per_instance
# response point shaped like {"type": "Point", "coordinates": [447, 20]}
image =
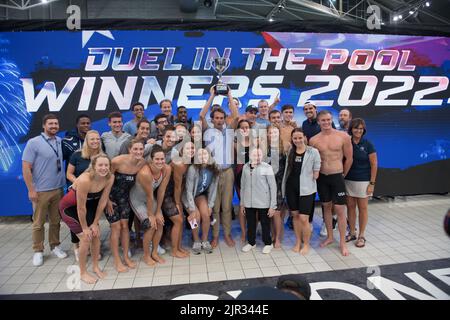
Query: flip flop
{"type": "Point", "coordinates": [360, 240]}
{"type": "Point", "coordinates": [350, 237]}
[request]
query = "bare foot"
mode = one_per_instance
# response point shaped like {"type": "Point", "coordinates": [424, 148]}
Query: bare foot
{"type": "Point", "coordinates": [130, 263]}
{"type": "Point", "coordinates": [296, 248]}
{"type": "Point", "coordinates": [88, 278]}
{"type": "Point", "coordinates": [149, 261]}
{"type": "Point", "coordinates": [243, 239]}
{"type": "Point", "coordinates": [304, 250]}
{"type": "Point", "coordinates": [344, 250]}
{"type": "Point", "coordinates": [178, 254]}
{"type": "Point", "coordinates": [229, 241]}
{"type": "Point", "coordinates": [214, 242]}
{"type": "Point", "coordinates": [120, 267]}
{"type": "Point", "coordinates": [158, 259]}
{"type": "Point", "coordinates": [326, 242]}
{"type": "Point", "coordinates": [277, 244]}
{"type": "Point", "coordinates": [99, 273]}
{"type": "Point", "coordinates": [184, 251]}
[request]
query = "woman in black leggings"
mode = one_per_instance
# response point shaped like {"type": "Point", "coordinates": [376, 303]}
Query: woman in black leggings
{"type": "Point", "coordinates": [299, 186]}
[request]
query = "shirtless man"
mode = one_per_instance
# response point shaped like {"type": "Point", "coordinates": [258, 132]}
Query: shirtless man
{"type": "Point", "coordinates": [336, 152]}
{"type": "Point", "coordinates": [287, 124]}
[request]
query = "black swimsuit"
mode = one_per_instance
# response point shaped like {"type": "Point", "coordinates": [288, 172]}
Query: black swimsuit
{"type": "Point", "coordinates": [120, 195]}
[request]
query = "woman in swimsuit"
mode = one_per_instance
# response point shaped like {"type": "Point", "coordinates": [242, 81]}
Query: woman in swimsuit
{"type": "Point", "coordinates": [78, 163]}
{"type": "Point", "coordinates": [81, 210]}
{"type": "Point", "coordinates": [151, 179]}
{"type": "Point", "coordinates": [125, 168]}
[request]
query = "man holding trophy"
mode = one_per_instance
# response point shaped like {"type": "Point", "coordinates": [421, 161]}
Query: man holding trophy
{"type": "Point", "coordinates": [219, 140]}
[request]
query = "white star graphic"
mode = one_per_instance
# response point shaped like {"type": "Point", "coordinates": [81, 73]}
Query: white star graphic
{"type": "Point", "coordinates": [86, 35]}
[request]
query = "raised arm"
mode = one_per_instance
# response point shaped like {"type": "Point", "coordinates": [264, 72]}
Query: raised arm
{"type": "Point", "coordinates": [233, 109]}
{"type": "Point", "coordinates": [275, 102]}
{"type": "Point", "coordinates": [204, 111]}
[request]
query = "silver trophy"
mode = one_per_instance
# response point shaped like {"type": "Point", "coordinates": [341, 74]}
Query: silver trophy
{"type": "Point", "coordinates": [220, 65]}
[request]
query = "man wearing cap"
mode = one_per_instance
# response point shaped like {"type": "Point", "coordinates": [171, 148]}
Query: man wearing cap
{"type": "Point", "coordinates": [310, 126]}
{"type": "Point", "coordinates": [251, 114]}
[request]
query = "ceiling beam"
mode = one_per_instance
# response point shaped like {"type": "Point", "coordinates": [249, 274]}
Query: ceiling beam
{"type": "Point", "coordinates": [243, 11]}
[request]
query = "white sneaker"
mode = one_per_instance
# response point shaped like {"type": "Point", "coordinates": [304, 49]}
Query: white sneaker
{"type": "Point", "coordinates": [161, 250]}
{"type": "Point", "coordinates": [248, 247]}
{"type": "Point", "coordinates": [129, 254]}
{"type": "Point", "coordinates": [76, 252]}
{"type": "Point", "coordinates": [323, 231]}
{"type": "Point", "coordinates": [57, 251]}
{"type": "Point", "coordinates": [206, 246]}
{"type": "Point", "coordinates": [38, 259]}
{"type": "Point", "coordinates": [197, 247]}
{"type": "Point", "coordinates": [267, 249]}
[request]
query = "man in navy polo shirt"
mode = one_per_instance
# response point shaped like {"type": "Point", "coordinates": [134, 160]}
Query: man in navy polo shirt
{"type": "Point", "coordinates": [43, 172]}
{"type": "Point", "coordinates": [310, 126]}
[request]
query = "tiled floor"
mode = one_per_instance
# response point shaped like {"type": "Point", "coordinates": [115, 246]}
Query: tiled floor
{"type": "Point", "coordinates": [405, 230]}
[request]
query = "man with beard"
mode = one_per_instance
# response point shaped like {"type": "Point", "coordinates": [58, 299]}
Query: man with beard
{"type": "Point", "coordinates": [345, 117]}
{"type": "Point", "coordinates": [182, 117]}
{"type": "Point", "coordinates": [43, 173]}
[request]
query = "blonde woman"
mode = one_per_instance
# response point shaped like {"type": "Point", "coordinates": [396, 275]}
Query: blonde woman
{"type": "Point", "coordinates": [82, 207]}
{"type": "Point", "coordinates": [80, 159]}
{"type": "Point", "coordinates": [78, 163]}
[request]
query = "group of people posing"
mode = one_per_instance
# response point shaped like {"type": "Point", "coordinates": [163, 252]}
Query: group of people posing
{"type": "Point", "coordinates": [156, 175]}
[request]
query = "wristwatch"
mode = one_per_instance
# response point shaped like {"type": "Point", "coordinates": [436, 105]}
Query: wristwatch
{"type": "Point", "coordinates": [372, 183]}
